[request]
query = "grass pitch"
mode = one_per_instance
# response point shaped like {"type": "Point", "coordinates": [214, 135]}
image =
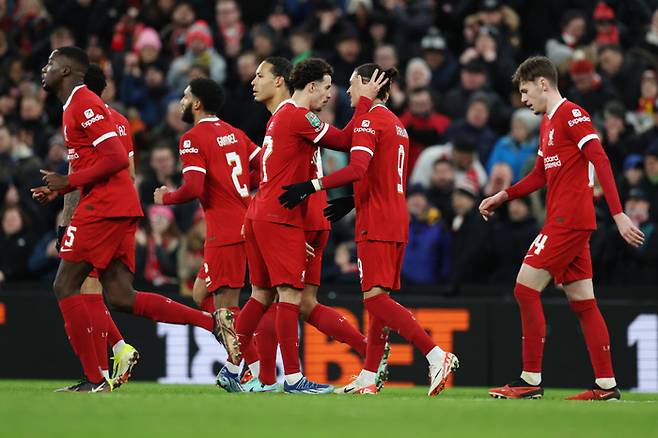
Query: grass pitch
{"type": "Point", "coordinates": [30, 409]}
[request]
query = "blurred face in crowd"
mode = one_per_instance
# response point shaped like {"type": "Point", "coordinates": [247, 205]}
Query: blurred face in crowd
{"type": "Point", "coordinates": [154, 77]}
{"type": "Point", "coordinates": [31, 109]}
{"type": "Point", "coordinates": [417, 205]}
{"type": "Point", "coordinates": [519, 130]}
{"type": "Point", "coordinates": [434, 58]}
{"type": "Point", "coordinates": [420, 104]}
{"type": "Point", "coordinates": [5, 140]}
{"type": "Point", "coordinates": [518, 210]}
{"type": "Point", "coordinates": [576, 28]}
{"type": "Point", "coordinates": [15, 73]}
{"type": "Point", "coordinates": [633, 175]}
{"type": "Point", "coordinates": [61, 38]}
{"type": "Point", "coordinates": [386, 57]}
{"type": "Point", "coordinates": [610, 61]}
{"type": "Point", "coordinates": [492, 18]}
{"type": "Point", "coordinates": [378, 31]}
{"type": "Point", "coordinates": [299, 43]}
{"type": "Point", "coordinates": [162, 162]}
{"type": "Point", "coordinates": [183, 15]}
{"type": "Point", "coordinates": [462, 159]}
{"type": "Point", "coordinates": [637, 210]}
{"type": "Point", "coordinates": [583, 81]}
{"type": "Point", "coordinates": [263, 46]}
{"type": "Point", "coordinates": [462, 203]}
{"type": "Point", "coordinates": [264, 84]}
{"type": "Point", "coordinates": [651, 166]}
{"type": "Point", "coordinates": [7, 104]}
{"type": "Point", "coordinates": [501, 177]}
{"type": "Point", "coordinates": [247, 65]}
{"type": "Point", "coordinates": [349, 50]}
{"type": "Point", "coordinates": [612, 123]}
{"type": "Point", "coordinates": [57, 153]}
{"type": "Point", "coordinates": [443, 176]}
{"type": "Point", "coordinates": [533, 94]}
{"type": "Point", "coordinates": [159, 222]}
{"type": "Point", "coordinates": [649, 88]}
{"type": "Point", "coordinates": [417, 75]}
{"type": "Point", "coordinates": [477, 114]}
{"type": "Point", "coordinates": [227, 13]}
{"type": "Point", "coordinates": [12, 222]}
{"type": "Point", "coordinates": [148, 54]}
{"type": "Point", "coordinates": [472, 80]}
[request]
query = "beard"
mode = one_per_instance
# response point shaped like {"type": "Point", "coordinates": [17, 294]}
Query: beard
{"type": "Point", "coordinates": [187, 116]}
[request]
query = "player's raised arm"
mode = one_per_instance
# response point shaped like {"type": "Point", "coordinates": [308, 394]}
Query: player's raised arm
{"type": "Point", "coordinates": [532, 182]}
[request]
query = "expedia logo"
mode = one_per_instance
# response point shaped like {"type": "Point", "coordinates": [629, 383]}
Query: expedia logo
{"type": "Point", "coordinates": [88, 123]}
{"type": "Point", "coordinates": [362, 129]}
{"type": "Point", "coordinates": [189, 150]}
{"type": "Point", "coordinates": [578, 120]}
{"type": "Point", "coordinates": [552, 161]}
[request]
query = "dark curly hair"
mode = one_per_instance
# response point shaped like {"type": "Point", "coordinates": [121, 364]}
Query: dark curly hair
{"type": "Point", "coordinates": [309, 70]}
{"type": "Point", "coordinates": [209, 92]}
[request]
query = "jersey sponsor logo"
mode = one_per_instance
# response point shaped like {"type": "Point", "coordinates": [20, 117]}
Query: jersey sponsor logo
{"type": "Point", "coordinates": [576, 112]}
{"type": "Point", "coordinates": [72, 155]}
{"type": "Point", "coordinates": [364, 129]}
{"type": "Point", "coordinates": [578, 120]}
{"type": "Point", "coordinates": [89, 113]}
{"type": "Point", "coordinates": [552, 161]}
{"type": "Point", "coordinates": [89, 122]}
{"type": "Point", "coordinates": [401, 131]}
{"type": "Point", "coordinates": [225, 140]}
{"type": "Point", "coordinates": [313, 119]}
{"type": "Point", "coordinates": [189, 150]}
{"type": "Point", "coordinates": [551, 134]}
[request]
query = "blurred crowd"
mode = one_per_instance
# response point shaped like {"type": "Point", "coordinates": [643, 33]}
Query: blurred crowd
{"type": "Point", "coordinates": [470, 135]}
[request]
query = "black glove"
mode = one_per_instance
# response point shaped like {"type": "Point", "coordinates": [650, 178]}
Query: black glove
{"type": "Point", "coordinates": [338, 208]}
{"type": "Point", "coordinates": [294, 194]}
{"type": "Point", "coordinates": [61, 230]}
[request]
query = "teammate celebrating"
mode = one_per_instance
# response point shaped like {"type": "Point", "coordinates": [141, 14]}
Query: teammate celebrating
{"type": "Point", "coordinates": [569, 150]}
{"type": "Point", "coordinates": [378, 169]}
{"type": "Point", "coordinates": [102, 229]}
{"type": "Point", "coordinates": [216, 160]}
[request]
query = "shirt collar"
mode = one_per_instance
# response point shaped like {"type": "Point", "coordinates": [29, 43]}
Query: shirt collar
{"type": "Point", "coordinates": [376, 105]}
{"type": "Point", "coordinates": [550, 114]}
{"type": "Point", "coordinates": [209, 119]}
{"type": "Point", "coordinates": [283, 103]}
{"type": "Point", "coordinates": [68, 101]}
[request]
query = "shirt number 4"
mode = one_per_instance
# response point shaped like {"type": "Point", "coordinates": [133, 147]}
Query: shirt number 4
{"type": "Point", "coordinates": [539, 243]}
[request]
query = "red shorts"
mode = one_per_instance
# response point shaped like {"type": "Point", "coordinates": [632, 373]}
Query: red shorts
{"type": "Point", "coordinates": [224, 266]}
{"type": "Point", "coordinates": [101, 241]}
{"type": "Point", "coordinates": [564, 253]}
{"type": "Point", "coordinates": [380, 264]}
{"type": "Point", "coordinates": [318, 240]}
{"type": "Point", "coordinates": [276, 254]}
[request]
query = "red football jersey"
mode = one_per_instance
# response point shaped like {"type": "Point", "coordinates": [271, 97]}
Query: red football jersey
{"type": "Point", "coordinates": [223, 153]}
{"type": "Point", "coordinates": [313, 207]}
{"type": "Point", "coordinates": [123, 130]}
{"type": "Point", "coordinates": [288, 150]}
{"type": "Point", "coordinates": [86, 123]}
{"type": "Point", "coordinates": [569, 175]}
{"type": "Point", "coordinates": [379, 197]}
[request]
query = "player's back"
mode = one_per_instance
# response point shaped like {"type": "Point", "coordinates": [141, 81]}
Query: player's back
{"type": "Point", "coordinates": [123, 130]}
{"type": "Point", "coordinates": [226, 152]}
{"type": "Point", "coordinates": [87, 122]}
{"type": "Point", "coordinates": [288, 149]}
{"type": "Point", "coordinates": [569, 175]}
{"type": "Point", "coordinates": [379, 197]}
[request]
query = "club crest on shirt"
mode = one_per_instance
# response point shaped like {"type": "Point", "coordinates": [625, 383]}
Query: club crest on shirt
{"type": "Point", "coordinates": [313, 119]}
{"type": "Point", "coordinates": [551, 134]}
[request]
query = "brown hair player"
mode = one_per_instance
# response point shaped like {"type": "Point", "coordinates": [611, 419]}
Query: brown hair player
{"type": "Point", "coordinates": [569, 153]}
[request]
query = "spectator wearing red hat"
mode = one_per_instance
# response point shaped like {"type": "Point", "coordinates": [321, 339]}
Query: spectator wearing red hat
{"type": "Point", "coordinates": [231, 34]}
{"type": "Point", "coordinates": [200, 52]}
{"type": "Point", "coordinates": [588, 89]}
{"type": "Point", "coordinates": [606, 25]}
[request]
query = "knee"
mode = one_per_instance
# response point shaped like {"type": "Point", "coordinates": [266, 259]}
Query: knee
{"type": "Point", "coordinates": [306, 306]}
{"type": "Point", "coordinates": [62, 289]}
{"type": "Point", "coordinates": [121, 302]}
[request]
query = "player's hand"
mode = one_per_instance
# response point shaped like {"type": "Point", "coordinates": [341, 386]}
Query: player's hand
{"type": "Point", "coordinates": [61, 230]}
{"type": "Point", "coordinates": [43, 195]}
{"type": "Point", "coordinates": [338, 208]}
{"type": "Point", "coordinates": [54, 181]}
{"type": "Point", "coordinates": [158, 195]}
{"type": "Point", "coordinates": [371, 88]}
{"type": "Point", "coordinates": [631, 234]}
{"type": "Point", "coordinates": [294, 194]}
{"type": "Point", "coordinates": [488, 205]}
{"type": "Point", "coordinates": [310, 251]}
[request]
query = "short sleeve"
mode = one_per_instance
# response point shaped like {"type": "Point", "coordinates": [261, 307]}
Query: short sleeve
{"type": "Point", "coordinates": [308, 125]}
{"type": "Point", "coordinates": [252, 148]}
{"type": "Point", "coordinates": [191, 153]}
{"type": "Point", "coordinates": [364, 136]}
{"type": "Point", "coordinates": [95, 120]}
{"type": "Point", "coordinates": [578, 126]}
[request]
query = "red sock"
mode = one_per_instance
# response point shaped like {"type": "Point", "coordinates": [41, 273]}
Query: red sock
{"type": "Point", "coordinates": [208, 304]}
{"type": "Point", "coordinates": [287, 317]}
{"type": "Point", "coordinates": [333, 324]}
{"type": "Point", "coordinates": [533, 327]}
{"type": "Point", "coordinates": [376, 342]}
{"type": "Point", "coordinates": [98, 315]}
{"type": "Point", "coordinates": [78, 324]}
{"type": "Point", "coordinates": [247, 321]}
{"type": "Point", "coordinates": [113, 333]}
{"type": "Point", "coordinates": [596, 336]}
{"type": "Point", "coordinates": [163, 309]}
{"type": "Point", "coordinates": [398, 318]}
{"type": "Point", "coordinates": [266, 342]}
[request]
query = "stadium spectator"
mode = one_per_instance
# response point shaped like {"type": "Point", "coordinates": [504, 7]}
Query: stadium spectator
{"type": "Point", "coordinates": [427, 254]}
{"type": "Point", "coordinates": [386, 57]}
{"type": "Point", "coordinates": [231, 34]}
{"type": "Point", "coordinates": [500, 178]}
{"type": "Point", "coordinates": [624, 71]}
{"type": "Point", "coordinates": [16, 241]}
{"type": "Point", "coordinates": [442, 184]}
{"type": "Point", "coordinates": [301, 45]}
{"type": "Point", "coordinates": [650, 181]}
{"type": "Point", "coordinates": [474, 125]}
{"type": "Point", "coordinates": [440, 59]}
{"type": "Point", "coordinates": [169, 131]}
{"type": "Point", "coordinates": [156, 248]}
{"type": "Point", "coordinates": [618, 137]}
{"type": "Point", "coordinates": [589, 90]}
{"type": "Point", "coordinates": [519, 147]}
{"type": "Point", "coordinates": [424, 125]}
{"type": "Point", "coordinates": [573, 26]}
{"type": "Point", "coordinates": [190, 258]}
{"type": "Point", "coordinates": [144, 89]}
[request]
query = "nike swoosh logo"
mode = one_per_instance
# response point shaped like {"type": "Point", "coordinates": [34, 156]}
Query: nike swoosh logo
{"type": "Point", "coordinates": [348, 390]}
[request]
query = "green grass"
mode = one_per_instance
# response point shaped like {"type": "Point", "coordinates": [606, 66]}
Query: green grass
{"type": "Point", "coordinates": [29, 408]}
